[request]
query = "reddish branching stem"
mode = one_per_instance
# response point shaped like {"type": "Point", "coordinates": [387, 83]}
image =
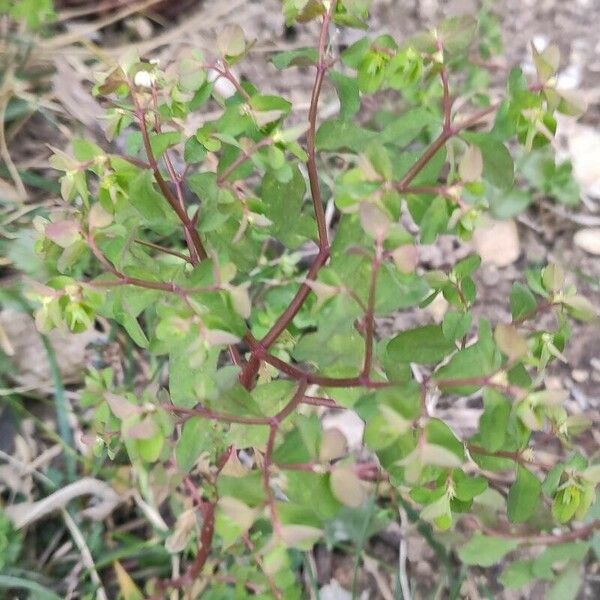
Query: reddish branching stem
{"type": "Point", "coordinates": [249, 373]}
{"type": "Point", "coordinates": [526, 539]}
{"type": "Point", "coordinates": [370, 314]}
{"type": "Point", "coordinates": [516, 456]}
{"type": "Point", "coordinates": [162, 249]}
{"type": "Point", "coordinates": [195, 245]}
{"type": "Point", "coordinates": [276, 421]}
{"type": "Point", "coordinates": [241, 159]}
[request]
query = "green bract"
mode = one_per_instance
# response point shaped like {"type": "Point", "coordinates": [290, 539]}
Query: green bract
{"type": "Point", "coordinates": [248, 258]}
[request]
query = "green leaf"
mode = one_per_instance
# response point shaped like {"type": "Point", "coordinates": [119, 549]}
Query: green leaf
{"type": "Point", "coordinates": [522, 301]}
{"type": "Point", "coordinates": [149, 202]}
{"type": "Point", "coordinates": [197, 436]}
{"type": "Point", "coordinates": [505, 204]}
{"type": "Point", "coordinates": [493, 424]}
{"type": "Point", "coordinates": [434, 221]}
{"type": "Point", "coordinates": [423, 345]}
{"type": "Point", "coordinates": [476, 361]}
{"type": "Point", "coordinates": [498, 167]}
{"type": "Point", "coordinates": [301, 57]}
{"type": "Point", "coordinates": [567, 585]}
{"type": "Point", "coordinates": [19, 583]}
{"type": "Point", "coordinates": [347, 91]}
{"type": "Point", "coordinates": [405, 128]}
{"type": "Point", "coordinates": [486, 551]}
{"type": "Point", "coordinates": [133, 328]}
{"type": "Point", "coordinates": [523, 496]}
{"type": "Point", "coordinates": [160, 142]}
{"type": "Point", "coordinates": [230, 40]}
{"type": "Point", "coordinates": [343, 135]}
{"type": "Point", "coordinates": [456, 33]}
{"type": "Point", "coordinates": [554, 557]}
{"type": "Point", "coordinates": [517, 574]}
{"type": "Point", "coordinates": [466, 488]}
{"type": "Point", "coordinates": [302, 10]}
{"type": "Point", "coordinates": [510, 342]}
{"type": "Point", "coordinates": [283, 207]}
{"type": "Point", "coordinates": [466, 266]}
{"type": "Point", "coordinates": [456, 325]}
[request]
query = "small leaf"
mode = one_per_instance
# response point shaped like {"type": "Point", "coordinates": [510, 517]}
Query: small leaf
{"type": "Point", "coordinates": [127, 586]}
{"type": "Point", "coordinates": [553, 278]}
{"type": "Point", "coordinates": [99, 217]}
{"type": "Point", "coordinates": [522, 301]}
{"type": "Point", "coordinates": [567, 584]}
{"type": "Point", "coordinates": [195, 439]}
{"type": "Point", "coordinates": [240, 298]}
{"type": "Point", "coordinates": [231, 41]}
{"type": "Point", "coordinates": [241, 514]}
{"type": "Point", "coordinates": [470, 167]}
{"type": "Point", "coordinates": [406, 258]}
{"type": "Point", "coordinates": [486, 551]}
{"type": "Point", "coordinates": [142, 430]}
{"type": "Point", "coordinates": [374, 221]}
{"type": "Point", "coordinates": [64, 233]}
{"type": "Point", "coordinates": [302, 537]}
{"type": "Point", "coordinates": [438, 512]}
{"type": "Point", "coordinates": [493, 424]}
{"type": "Point", "coordinates": [334, 445]}
{"type": "Point", "coordinates": [498, 167]}
{"type": "Point", "coordinates": [182, 532]}
{"type": "Point", "coordinates": [218, 337]}
{"type": "Point", "coordinates": [422, 345]}
{"type": "Point", "coordinates": [161, 142]}
{"type": "Point", "coordinates": [347, 487]}
{"type": "Point", "coordinates": [301, 57]}
{"type": "Point", "coordinates": [580, 308]}
{"type": "Point", "coordinates": [121, 407]}
{"type": "Point", "coordinates": [433, 454]}
{"type": "Point", "coordinates": [322, 291]}
{"type": "Point", "coordinates": [517, 574]}
{"type": "Point", "coordinates": [456, 325]}
{"type": "Point", "coordinates": [546, 62]}
{"type": "Point", "coordinates": [510, 342]}
{"type": "Point", "coordinates": [523, 496]}
{"type": "Point", "coordinates": [347, 90]}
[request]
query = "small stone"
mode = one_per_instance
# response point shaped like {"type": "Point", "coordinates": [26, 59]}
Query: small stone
{"type": "Point", "coordinates": [490, 275]}
{"type": "Point", "coordinates": [497, 242]}
{"type": "Point", "coordinates": [588, 240]}
{"type": "Point", "coordinates": [580, 375]}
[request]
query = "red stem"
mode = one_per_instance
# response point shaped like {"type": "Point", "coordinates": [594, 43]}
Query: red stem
{"type": "Point", "coordinates": [370, 314]}
{"type": "Point", "coordinates": [538, 540]}
{"type": "Point", "coordinates": [243, 157]}
{"type": "Point", "coordinates": [196, 247]}
{"type": "Point", "coordinates": [287, 410]}
{"type": "Point", "coordinates": [162, 249]}
{"type": "Point", "coordinates": [249, 373]}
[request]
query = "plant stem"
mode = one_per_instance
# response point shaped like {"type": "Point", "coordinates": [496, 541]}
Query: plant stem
{"type": "Point", "coordinates": [162, 249]}
{"type": "Point", "coordinates": [249, 373]}
{"type": "Point", "coordinates": [243, 157]}
{"type": "Point", "coordinates": [311, 164]}
{"type": "Point", "coordinates": [538, 540]}
{"type": "Point", "coordinates": [370, 314]}
{"type": "Point", "coordinates": [196, 247]}
{"type": "Point", "coordinates": [516, 456]}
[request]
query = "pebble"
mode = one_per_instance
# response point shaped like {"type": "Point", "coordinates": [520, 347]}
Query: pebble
{"type": "Point", "coordinates": [580, 375]}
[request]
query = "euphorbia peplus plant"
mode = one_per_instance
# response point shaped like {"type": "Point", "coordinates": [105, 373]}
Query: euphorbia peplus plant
{"type": "Point", "coordinates": [250, 261]}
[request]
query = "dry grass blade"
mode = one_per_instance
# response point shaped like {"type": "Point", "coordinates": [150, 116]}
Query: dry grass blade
{"type": "Point", "coordinates": [71, 37]}
{"type": "Point", "coordinates": [25, 513]}
{"type": "Point", "coordinates": [86, 555]}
